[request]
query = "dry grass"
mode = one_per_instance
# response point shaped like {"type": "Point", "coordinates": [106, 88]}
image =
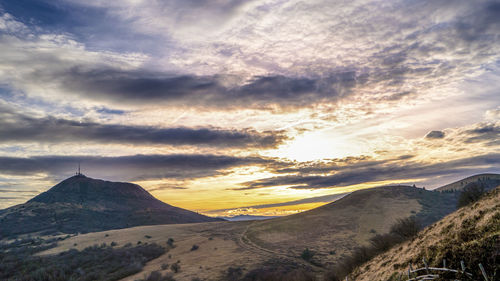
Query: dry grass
{"type": "Point", "coordinates": [340, 227]}
{"type": "Point", "coordinates": [472, 233]}
{"type": "Point", "coordinates": [218, 249]}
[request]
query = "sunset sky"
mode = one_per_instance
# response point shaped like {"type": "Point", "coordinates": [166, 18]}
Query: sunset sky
{"type": "Point", "coordinates": [247, 107]}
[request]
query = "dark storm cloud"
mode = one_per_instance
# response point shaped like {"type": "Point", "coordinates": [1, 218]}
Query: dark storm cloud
{"type": "Point", "coordinates": [143, 87]}
{"type": "Point", "coordinates": [21, 128]}
{"type": "Point", "coordinates": [136, 167]}
{"type": "Point", "coordinates": [435, 135]}
{"type": "Point", "coordinates": [378, 171]}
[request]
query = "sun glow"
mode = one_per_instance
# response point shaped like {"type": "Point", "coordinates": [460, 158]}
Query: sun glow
{"type": "Point", "coordinates": [319, 145]}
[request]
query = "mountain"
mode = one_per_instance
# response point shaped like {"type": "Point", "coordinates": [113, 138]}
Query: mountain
{"type": "Point", "coordinates": [470, 234]}
{"type": "Point", "coordinates": [488, 181]}
{"type": "Point", "coordinates": [336, 229]}
{"type": "Point", "coordinates": [82, 204]}
{"type": "Point", "coordinates": [248, 218]}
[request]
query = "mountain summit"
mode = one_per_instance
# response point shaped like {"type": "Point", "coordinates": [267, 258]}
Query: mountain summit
{"type": "Point", "coordinates": [83, 204]}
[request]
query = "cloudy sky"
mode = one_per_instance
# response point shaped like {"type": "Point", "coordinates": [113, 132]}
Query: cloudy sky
{"type": "Point", "coordinates": [248, 106]}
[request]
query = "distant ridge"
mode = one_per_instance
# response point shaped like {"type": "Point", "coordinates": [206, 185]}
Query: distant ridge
{"type": "Point", "coordinates": [489, 181]}
{"type": "Point", "coordinates": [83, 204]}
{"type": "Point", "coordinates": [248, 218]}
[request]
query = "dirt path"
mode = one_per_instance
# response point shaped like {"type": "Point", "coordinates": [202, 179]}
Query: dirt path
{"type": "Point", "coordinates": [245, 242]}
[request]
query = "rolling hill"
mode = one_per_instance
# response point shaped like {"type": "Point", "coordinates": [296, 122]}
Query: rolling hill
{"type": "Point", "coordinates": [471, 234]}
{"type": "Point", "coordinates": [335, 229]}
{"type": "Point", "coordinates": [82, 204]}
{"type": "Point", "coordinates": [489, 181]}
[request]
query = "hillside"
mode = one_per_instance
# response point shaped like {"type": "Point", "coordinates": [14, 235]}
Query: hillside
{"type": "Point", "coordinates": [331, 232]}
{"type": "Point", "coordinates": [471, 234]}
{"type": "Point", "coordinates": [82, 204]}
{"type": "Point", "coordinates": [489, 181]}
{"type": "Point", "coordinates": [335, 229]}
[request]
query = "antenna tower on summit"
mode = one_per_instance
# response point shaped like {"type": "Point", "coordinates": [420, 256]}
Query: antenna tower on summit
{"type": "Point", "coordinates": [78, 173]}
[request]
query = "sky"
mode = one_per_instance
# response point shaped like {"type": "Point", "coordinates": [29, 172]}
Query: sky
{"type": "Point", "coordinates": [265, 107]}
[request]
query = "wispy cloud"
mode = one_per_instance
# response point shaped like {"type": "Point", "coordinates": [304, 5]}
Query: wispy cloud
{"type": "Point", "coordinates": [373, 171]}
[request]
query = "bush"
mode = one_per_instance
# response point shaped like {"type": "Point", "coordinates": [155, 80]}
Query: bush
{"type": "Point", "coordinates": [307, 254]}
{"type": "Point", "coordinates": [176, 267]}
{"type": "Point", "coordinates": [164, 266]}
{"type": "Point", "coordinates": [406, 228]}
{"type": "Point", "coordinates": [233, 273]}
{"type": "Point", "coordinates": [92, 263]}
{"type": "Point", "coordinates": [195, 247]}
{"type": "Point", "coordinates": [170, 242]}
{"type": "Point", "coordinates": [156, 276]}
{"type": "Point", "coordinates": [470, 194]}
{"type": "Point", "coordinates": [113, 244]}
{"type": "Point", "coordinates": [279, 273]}
{"type": "Point", "coordinates": [402, 230]}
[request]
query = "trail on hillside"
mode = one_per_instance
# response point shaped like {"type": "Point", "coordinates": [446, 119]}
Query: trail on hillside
{"type": "Point", "coordinates": [245, 242]}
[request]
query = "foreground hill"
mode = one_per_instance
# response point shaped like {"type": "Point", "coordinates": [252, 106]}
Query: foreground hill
{"type": "Point", "coordinates": [336, 229]}
{"type": "Point", "coordinates": [471, 234]}
{"type": "Point", "coordinates": [82, 204]}
{"type": "Point", "coordinates": [488, 181]}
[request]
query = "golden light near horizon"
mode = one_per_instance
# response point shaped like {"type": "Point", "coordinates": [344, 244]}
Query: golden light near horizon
{"type": "Point", "coordinates": [230, 105]}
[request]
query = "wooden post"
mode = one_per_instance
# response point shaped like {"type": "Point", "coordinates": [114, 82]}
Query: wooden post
{"type": "Point", "coordinates": [426, 266]}
{"type": "Point", "coordinates": [462, 264]}
{"type": "Point", "coordinates": [444, 263]}
{"type": "Point", "coordinates": [483, 272]}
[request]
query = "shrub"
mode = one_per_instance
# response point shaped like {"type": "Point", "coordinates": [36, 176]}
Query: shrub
{"type": "Point", "coordinates": [176, 267]}
{"type": "Point", "coordinates": [195, 247]}
{"type": "Point", "coordinates": [307, 254]}
{"type": "Point", "coordinates": [113, 244]}
{"type": "Point", "coordinates": [170, 242]}
{"type": "Point", "coordinates": [402, 230]}
{"type": "Point", "coordinates": [147, 236]}
{"type": "Point", "coordinates": [471, 193]}
{"type": "Point", "coordinates": [233, 273]}
{"type": "Point", "coordinates": [164, 266]}
{"type": "Point", "coordinates": [156, 276]}
{"type": "Point", "coordinates": [279, 273]}
{"type": "Point", "coordinates": [406, 228]}
{"type": "Point", "coordinates": [92, 263]}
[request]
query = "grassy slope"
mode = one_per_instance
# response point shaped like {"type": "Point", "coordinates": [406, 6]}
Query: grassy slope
{"type": "Point", "coordinates": [471, 234]}
{"type": "Point", "coordinates": [218, 248]}
{"type": "Point", "coordinates": [337, 228]}
{"type": "Point", "coordinates": [493, 179]}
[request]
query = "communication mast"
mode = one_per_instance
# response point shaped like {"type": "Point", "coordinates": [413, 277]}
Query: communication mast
{"type": "Point", "coordinates": [78, 173]}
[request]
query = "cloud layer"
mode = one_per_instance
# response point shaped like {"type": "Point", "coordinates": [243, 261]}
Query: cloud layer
{"type": "Point", "coordinates": [128, 168]}
{"type": "Point", "coordinates": [16, 128]}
